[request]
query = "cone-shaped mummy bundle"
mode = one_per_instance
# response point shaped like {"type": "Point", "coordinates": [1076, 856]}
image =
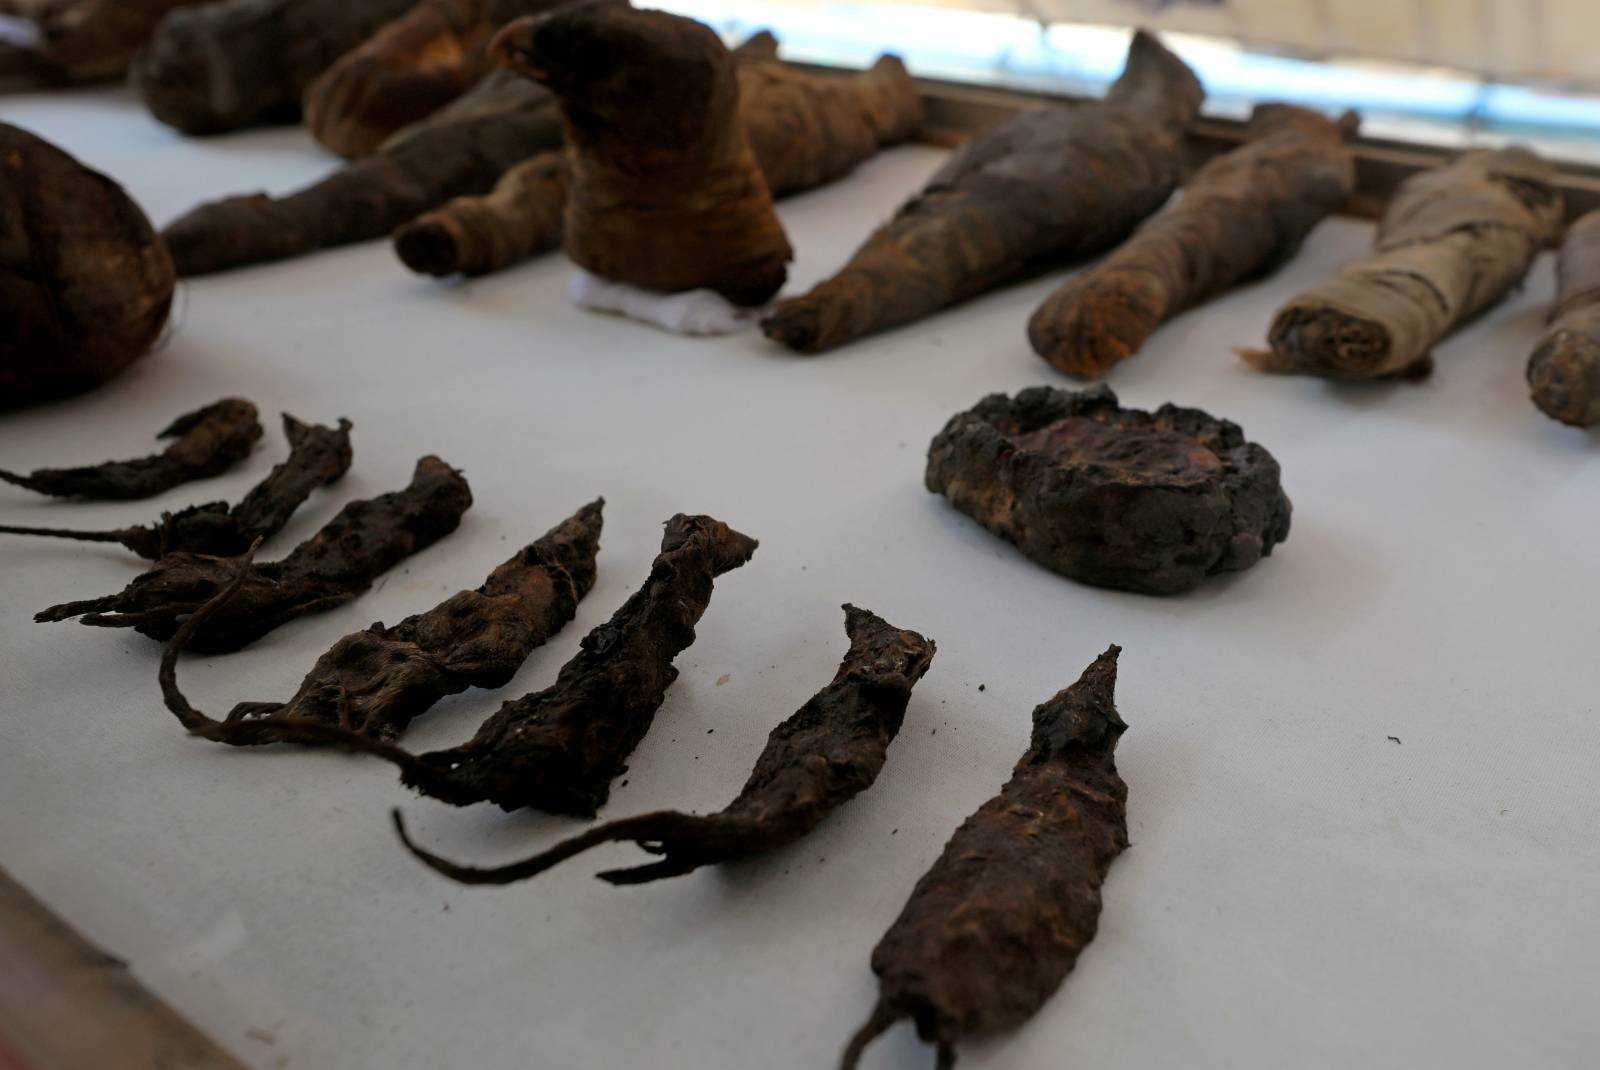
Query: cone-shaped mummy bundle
{"type": "Point", "coordinates": [665, 192]}
{"type": "Point", "coordinates": [805, 129]}
{"type": "Point", "coordinates": [205, 443]}
{"type": "Point", "coordinates": [1243, 215]}
{"type": "Point", "coordinates": [85, 284]}
{"type": "Point", "coordinates": [998, 922]}
{"type": "Point", "coordinates": [826, 754]}
{"type": "Point", "coordinates": [318, 457]}
{"type": "Point", "coordinates": [409, 69]}
{"type": "Point", "coordinates": [375, 682]}
{"type": "Point", "coordinates": [79, 41]}
{"type": "Point", "coordinates": [523, 216]}
{"type": "Point", "coordinates": [1564, 372]}
{"type": "Point", "coordinates": [1046, 186]}
{"type": "Point", "coordinates": [461, 149]}
{"type": "Point", "coordinates": [555, 750]}
{"type": "Point", "coordinates": [1454, 241]}
{"type": "Point", "coordinates": [223, 66]}
{"type": "Point", "coordinates": [365, 540]}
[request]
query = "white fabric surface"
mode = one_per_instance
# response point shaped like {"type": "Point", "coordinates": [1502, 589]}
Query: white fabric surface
{"type": "Point", "coordinates": [702, 313]}
{"type": "Point", "coordinates": [1301, 891]}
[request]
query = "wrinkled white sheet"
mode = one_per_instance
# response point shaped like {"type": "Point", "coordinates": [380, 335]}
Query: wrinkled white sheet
{"type": "Point", "coordinates": [700, 313]}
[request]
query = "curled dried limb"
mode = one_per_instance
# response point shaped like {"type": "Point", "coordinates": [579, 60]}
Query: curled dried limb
{"type": "Point", "coordinates": [558, 749]}
{"type": "Point", "coordinates": [365, 540]}
{"type": "Point", "coordinates": [318, 457]}
{"type": "Point", "coordinates": [824, 755]}
{"type": "Point", "coordinates": [206, 442]}
{"type": "Point", "coordinates": [998, 922]}
{"type": "Point", "coordinates": [377, 681]}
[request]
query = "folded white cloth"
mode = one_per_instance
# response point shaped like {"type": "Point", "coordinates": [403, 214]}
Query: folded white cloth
{"type": "Point", "coordinates": [696, 312]}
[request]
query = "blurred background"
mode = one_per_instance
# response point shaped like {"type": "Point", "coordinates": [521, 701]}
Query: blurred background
{"type": "Point", "coordinates": [1447, 73]}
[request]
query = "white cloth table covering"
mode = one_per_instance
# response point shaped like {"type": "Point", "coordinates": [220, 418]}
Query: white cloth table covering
{"type": "Point", "coordinates": [1301, 890]}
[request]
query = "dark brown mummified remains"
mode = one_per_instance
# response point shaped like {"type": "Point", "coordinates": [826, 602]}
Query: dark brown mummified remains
{"type": "Point", "coordinates": [523, 216]}
{"type": "Point", "coordinates": [85, 284]}
{"type": "Point", "coordinates": [805, 129]}
{"type": "Point", "coordinates": [1243, 215]}
{"type": "Point", "coordinates": [364, 541]}
{"type": "Point", "coordinates": [223, 66]}
{"type": "Point", "coordinates": [998, 922]}
{"type": "Point", "coordinates": [665, 192]}
{"type": "Point", "coordinates": [207, 442]}
{"type": "Point", "coordinates": [409, 69]}
{"type": "Point", "coordinates": [1454, 241]}
{"type": "Point", "coordinates": [1564, 372]}
{"type": "Point", "coordinates": [823, 756]}
{"type": "Point", "coordinates": [79, 40]}
{"type": "Point", "coordinates": [464, 149]}
{"type": "Point", "coordinates": [558, 749]}
{"type": "Point", "coordinates": [1151, 502]}
{"type": "Point", "coordinates": [318, 456]}
{"type": "Point", "coordinates": [375, 682]}
{"type": "Point", "coordinates": [1049, 185]}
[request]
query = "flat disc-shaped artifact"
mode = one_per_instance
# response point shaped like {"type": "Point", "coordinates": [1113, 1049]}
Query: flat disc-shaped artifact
{"type": "Point", "coordinates": [1151, 502]}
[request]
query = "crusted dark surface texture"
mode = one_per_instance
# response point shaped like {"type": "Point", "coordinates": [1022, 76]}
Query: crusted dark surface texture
{"type": "Point", "coordinates": [1151, 502]}
{"type": "Point", "coordinates": [1564, 371]}
{"type": "Point", "coordinates": [206, 442]}
{"type": "Point", "coordinates": [366, 539]}
{"type": "Point", "coordinates": [318, 457]}
{"type": "Point", "coordinates": [377, 681]}
{"type": "Point", "coordinates": [1243, 215]}
{"type": "Point", "coordinates": [1049, 185]}
{"type": "Point", "coordinates": [560, 748]}
{"type": "Point", "coordinates": [85, 284]}
{"type": "Point", "coordinates": [557, 749]}
{"type": "Point", "coordinates": [826, 754]}
{"type": "Point", "coordinates": [998, 922]}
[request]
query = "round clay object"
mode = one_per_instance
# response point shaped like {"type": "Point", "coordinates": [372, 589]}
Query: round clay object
{"type": "Point", "coordinates": [1150, 502]}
